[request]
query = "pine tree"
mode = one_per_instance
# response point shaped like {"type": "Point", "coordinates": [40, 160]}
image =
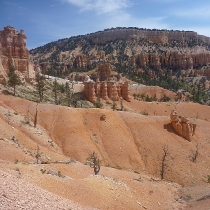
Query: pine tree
{"type": "Point", "coordinates": [40, 86]}
{"type": "Point", "coordinates": [14, 79]}
{"type": "Point", "coordinates": [55, 90]}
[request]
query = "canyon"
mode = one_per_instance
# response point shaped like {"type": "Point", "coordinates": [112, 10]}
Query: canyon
{"type": "Point", "coordinates": [153, 154]}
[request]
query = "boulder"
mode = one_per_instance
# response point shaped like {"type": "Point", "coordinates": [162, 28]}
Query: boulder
{"type": "Point", "coordinates": [182, 126]}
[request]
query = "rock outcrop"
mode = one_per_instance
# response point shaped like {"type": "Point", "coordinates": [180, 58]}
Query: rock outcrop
{"type": "Point", "coordinates": [13, 52]}
{"type": "Point", "coordinates": [104, 72]}
{"type": "Point", "coordinates": [174, 60]}
{"type": "Point", "coordinates": [182, 126]}
{"type": "Point", "coordinates": [82, 61]}
{"type": "Point", "coordinates": [106, 90]}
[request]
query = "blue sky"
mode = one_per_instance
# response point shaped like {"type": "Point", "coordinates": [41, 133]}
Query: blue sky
{"type": "Point", "coordinates": [45, 21]}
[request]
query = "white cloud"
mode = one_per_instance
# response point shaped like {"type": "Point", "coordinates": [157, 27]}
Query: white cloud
{"type": "Point", "coordinates": [123, 19]}
{"type": "Point", "coordinates": [100, 6]}
{"type": "Point", "coordinates": [117, 13]}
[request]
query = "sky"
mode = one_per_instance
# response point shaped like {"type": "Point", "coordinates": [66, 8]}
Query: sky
{"type": "Point", "coordinates": [45, 21]}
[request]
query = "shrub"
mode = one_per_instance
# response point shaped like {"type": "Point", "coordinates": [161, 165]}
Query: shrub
{"type": "Point", "coordinates": [42, 171]}
{"type": "Point", "coordinates": [145, 112]}
{"type": "Point", "coordinates": [208, 179]}
{"type": "Point", "coordinates": [98, 103]}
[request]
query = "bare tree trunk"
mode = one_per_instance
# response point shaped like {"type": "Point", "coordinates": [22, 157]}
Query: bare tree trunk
{"type": "Point", "coordinates": [166, 152]}
{"type": "Point", "coordinates": [35, 117]}
{"type": "Point", "coordinates": [37, 155]}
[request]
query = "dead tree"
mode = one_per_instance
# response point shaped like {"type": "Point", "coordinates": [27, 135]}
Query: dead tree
{"type": "Point", "coordinates": [35, 116]}
{"type": "Point", "coordinates": [8, 116]}
{"type": "Point", "coordinates": [38, 155]}
{"type": "Point", "coordinates": [121, 104]}
{"type": "Point", "coordinates": [164, 164]}
{"type": "Point", "coordinates": [94, 162]}
{"type": "Point", "coordinates": [194, 154]}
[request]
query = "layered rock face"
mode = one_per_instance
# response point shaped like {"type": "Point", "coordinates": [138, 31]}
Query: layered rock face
{"type": "Point", "coordinates": [174, 59]}
{"type": "Point", "coordinates": [13, 51]}
{"type": "Point", "coordinates": [157, 36]}
{"type": "Point", "coordinates": [182, 126]}
{"type": "Point", "coordinates": [106, 90]}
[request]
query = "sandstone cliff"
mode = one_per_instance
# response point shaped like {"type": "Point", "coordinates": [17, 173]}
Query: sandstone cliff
{"type": "Point", "coordinates": [13, 51]}
{"type": "Point", "coordinates": [158, 36]}
{"type": "Point", "coordinates": [173, 60]}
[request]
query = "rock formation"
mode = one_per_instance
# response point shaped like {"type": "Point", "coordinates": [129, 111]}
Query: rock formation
{"type": "Point", "coordinates": [182, 126]}
{"type": "Point", "coordinates": [104, 71]}
{"type": "Point", "coordinates": [82, 61]}
{"type": "Point", "coordinates": [89, 91]}
{"type": "Point", "coordinates": [106, 90]}
{"type": "Point", "coordinates": [106, 84]}
{"type": "Point", "coordinates": [103, 117]}
{"type": "Point", "coordinates": [13, 52]}
{"type": "Point", "coordinates": [174, 59]}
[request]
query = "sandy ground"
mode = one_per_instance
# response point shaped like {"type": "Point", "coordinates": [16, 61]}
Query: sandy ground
{"type": "Point", "coordinates": [130, 145]}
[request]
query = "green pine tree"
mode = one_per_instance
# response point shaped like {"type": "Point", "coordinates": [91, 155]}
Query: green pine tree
{"type": "Point", "coordinates": [40, 86]}
{"type": "Point", "coordinates": [14, 79]}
